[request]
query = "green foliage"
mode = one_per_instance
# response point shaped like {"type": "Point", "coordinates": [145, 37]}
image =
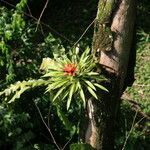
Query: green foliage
{"type": "Point", "coordinates": [12, 26]}
{"type": "Point", "coordinates": [20, 57]}
{"type": "Point", "coordinates": [12, 126]}
{"type": "Point", "coordinates": [68, 125]}
{"type": "Point", "coordinates": [61, 83]}
{"type": "Point", "coordinates": [21, 53]}
{"type": "Point", "coordinates": [67, 84]}
{"type": "Point", "coordinates": [21, 87]}
{"type": "Point", "coordinates": [81, 146]}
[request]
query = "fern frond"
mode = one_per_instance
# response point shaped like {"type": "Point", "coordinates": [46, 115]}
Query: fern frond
{"type": "Point", "coordinates": [20, 87]}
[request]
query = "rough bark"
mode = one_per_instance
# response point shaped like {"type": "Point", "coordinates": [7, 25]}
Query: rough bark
{"type": "Point", "coordinates": [114, 63]}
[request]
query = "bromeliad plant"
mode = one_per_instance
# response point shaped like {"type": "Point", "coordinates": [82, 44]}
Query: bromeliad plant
{"type": "Point", "coordinates": [72, 76]}
{"type": "Point", "coordinates": [65, 77]}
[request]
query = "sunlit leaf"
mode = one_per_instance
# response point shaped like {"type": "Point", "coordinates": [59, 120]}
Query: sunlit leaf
{"type": "Point", "coordinates": [72, 90]}
{"type": "Point", "coordinates": [92, 73]}
{"type": "Point", "coordinates": [53, 73]}
{"type": "Point", "coordinates": [90, 84]}
{"type": "Point", "coordinates": [82, 94]}
{"type": "Point", "coordinates": [59, 92]}
{"type": "Point", "coordinates": [101, 87]}
{"type": "Point", "coordinates": [92, 92]}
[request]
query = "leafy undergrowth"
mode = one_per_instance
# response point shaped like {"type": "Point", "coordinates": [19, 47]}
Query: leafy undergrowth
{"type": "Point", "coordinates": [134, 119]}
{"type": "Point", "coordinates": [135, 109]}
{"type": "Point", "coordinates": [140, 91]}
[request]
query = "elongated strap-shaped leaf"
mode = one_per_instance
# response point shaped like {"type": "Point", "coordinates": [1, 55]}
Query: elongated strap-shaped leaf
{"type": "Point", "coordinates": [84, 60]}
{"type": "Point", "coordinates": [83, 97]}
{"type": "Point", "coordinates": [67, 61]}
{"type": "Point", "coordinates": [53, 74]}
{"type": "Point", "coordinates": [72, 90]}
{"type": "Point", "coordinates": [82, 94]}
{"type": "Point", "coordinates": [68, 125]}
{"type": "Point", "coordinates": [101, 87]}
{"type": "Point", "coordinates": [66, 93]}
{"type": "Point", "coordinates": [85, 53]}
{"type": "Point", "coordinates": [58, 93]}
{"type": "Point", "coordinates": [92, 74]}
{"type": "Point", "coordinates": [92, 92]}
{"type": "Point", "coordinates": [63, 89]}
{"type": "Point", "coordinates": [77, 86]}
{"type": "Point", "coordinates": [60, 83]}
{"type": "Point", "coordinates": [55, 85]}
{"type": "Point", "coordinates": [90, 66]}
{"type": "Point", "coordinates": [90, 84]}
{"type": "Point", "coordinates": [98, 78]}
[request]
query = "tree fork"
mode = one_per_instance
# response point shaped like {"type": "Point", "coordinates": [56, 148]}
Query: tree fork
{"type": "Point", "coordinates": [114, 64]}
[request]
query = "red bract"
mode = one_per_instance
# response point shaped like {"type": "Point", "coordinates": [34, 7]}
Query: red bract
{"type": "Point", "coordinates": [70, 69]}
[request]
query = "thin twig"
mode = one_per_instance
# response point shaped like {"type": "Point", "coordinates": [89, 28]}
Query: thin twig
{"type": "Point", "coordinates": [29, 10]}
{"type": "Point", "coordinates": [42, 32]}
{"type": "Point", "coordinates": [83, 33]}
{"type": "Point", "coordinates": [46, 25]}
{"type": "Point", "coordinates": [38, 22]}
{"type": "Point", "coordinates": [67, 143]}
{"type": "Point", "coordinates": [132, 127]}
{"type": "Point", "coordinates": [49, 130]}
{"type": "Point", "coordinates": [49, 117]}
{"type": "Point", "coordinates": [134, 105]}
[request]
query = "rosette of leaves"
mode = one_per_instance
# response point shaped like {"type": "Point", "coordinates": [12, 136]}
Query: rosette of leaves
{"type": "Point", "coordinates": [72, 75]}
{"type": "Point", "coordinates": [64, 77]}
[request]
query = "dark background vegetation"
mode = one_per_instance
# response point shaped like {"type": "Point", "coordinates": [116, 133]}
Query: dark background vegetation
{"type": "Point", "coordinates": [63, 24]}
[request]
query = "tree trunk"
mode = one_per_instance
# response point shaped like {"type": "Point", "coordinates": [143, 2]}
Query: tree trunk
{"type": "Point", "coordinates": [114, 64]}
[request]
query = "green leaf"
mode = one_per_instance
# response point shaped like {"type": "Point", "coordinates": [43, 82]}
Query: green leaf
{"type": "Point", "coordinates": [81, 146]}
{"type": "Point", "coordinates": [66, 61]}
{"type": "Point", "coordinates": [101, 87]}
{"type": "Point", "coordinates": [90, 84]}
{"type": "Point", "coordinates": [20, 6]}
{"type": "Point", "coordinates": [99, 78]}
{"type": "Point", "coordinates": [18, 94]}
{"type": "Point", "coordinates": [72, 90]}
{"type": "Point", "coordinates": [55, 85]}
{"type": "Point", "coordinates": [65, 94]}
{"type": "Point", "coordinates": [85, 53]}
{"type": "Point", "coordinates": [92, 73]}
{"type": "Point", "coordinates": [82, 94]}
{"type": "Point", "coordinates": [77, 86]}
{"type": "Point", "coordinates": [92, 92]}
{"type": "Point", "coordinates": [58, 93]}
{"type": "Point", "coordinates": [53, 73]}
{"type": "Point", "coordinates": [50, 64]}
{"type": "Point", "coordinates": [83, 97]}
{"type": "Point", "coordinates": [68, 125]}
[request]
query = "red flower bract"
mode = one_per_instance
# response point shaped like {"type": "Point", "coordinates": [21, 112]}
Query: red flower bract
{"type": "Point", "coordinates": [69, 69]}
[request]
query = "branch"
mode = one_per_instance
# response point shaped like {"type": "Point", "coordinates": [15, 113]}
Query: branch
{"type": "Point", "coordinates": [49, 130]}
{"type": "Point", "coordinates": [83, 33]}
{"type": "Point", "coordinates": [135, 106]}
{"type": "Point", "coordinates": [38, 22]}
{"type": "Point", "coordinates": [46, 25]}
{"type": "Point", "coordinates": [132, 127]}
